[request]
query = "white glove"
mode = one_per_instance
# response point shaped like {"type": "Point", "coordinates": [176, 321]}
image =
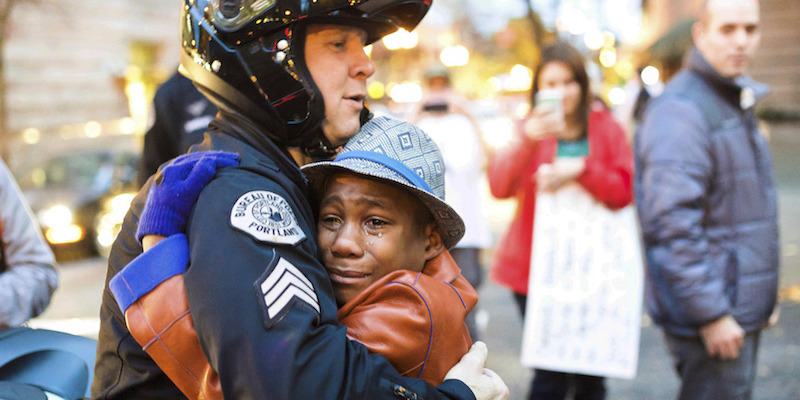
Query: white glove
{"type": "Point", "coordinates": [484, 383]}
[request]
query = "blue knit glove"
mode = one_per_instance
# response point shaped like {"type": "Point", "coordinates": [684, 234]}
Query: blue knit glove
{"type": "Point", "coordinates": [176, 188]}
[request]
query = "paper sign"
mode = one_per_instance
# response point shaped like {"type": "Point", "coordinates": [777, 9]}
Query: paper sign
{"type": "Point", "coordinates": [584, 306]}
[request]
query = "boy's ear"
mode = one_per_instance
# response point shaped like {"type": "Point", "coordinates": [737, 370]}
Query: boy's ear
{"type": "Point", "coordinates": [435, 246]}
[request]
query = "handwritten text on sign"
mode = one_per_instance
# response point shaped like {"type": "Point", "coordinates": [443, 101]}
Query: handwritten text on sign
{"type": "Point", "coordinates": [584, 294]}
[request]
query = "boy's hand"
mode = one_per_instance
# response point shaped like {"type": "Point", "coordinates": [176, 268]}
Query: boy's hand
{"type": "Point", "coordinates": [176, 188]}
{"type": "Point", "coordinates": [484, 383]}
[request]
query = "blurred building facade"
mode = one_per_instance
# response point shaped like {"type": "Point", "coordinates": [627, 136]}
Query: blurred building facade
{"type": "Point", "coordinates": [85, 68]}
{"type": "Point", "coordinates": [777, 59]}
{"type": "Point", "coordinates": [88, 68]}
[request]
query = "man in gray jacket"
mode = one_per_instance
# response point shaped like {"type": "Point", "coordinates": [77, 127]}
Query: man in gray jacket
{"type": "Point", "coordinates": [27, 268]}
{"type": "Point", "coordinates": [707, 203]}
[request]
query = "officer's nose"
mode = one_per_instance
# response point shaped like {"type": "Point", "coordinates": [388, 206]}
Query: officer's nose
{"type": "Point", "coordinates": [361, 66]}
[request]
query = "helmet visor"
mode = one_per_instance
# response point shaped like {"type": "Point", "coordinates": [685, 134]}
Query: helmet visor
{"type": "Point", "coordinates": [231, 15]}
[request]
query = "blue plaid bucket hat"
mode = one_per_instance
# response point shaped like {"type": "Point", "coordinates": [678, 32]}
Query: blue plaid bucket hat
{"type": "Point", "coordinates": [399, 152]}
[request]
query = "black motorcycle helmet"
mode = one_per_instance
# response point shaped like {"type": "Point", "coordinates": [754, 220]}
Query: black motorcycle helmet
{"type": "Point", "coordinates": [247, 56]}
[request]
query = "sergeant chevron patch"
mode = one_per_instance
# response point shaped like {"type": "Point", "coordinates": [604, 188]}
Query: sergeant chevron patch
{"type": "Point", "coordinates": [282, 287]}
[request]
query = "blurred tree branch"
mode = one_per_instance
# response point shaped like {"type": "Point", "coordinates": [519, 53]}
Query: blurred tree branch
{"type": "Point", "coordinates": [539, 30]}
{"type": "Point", "coordinates": [5, 14]}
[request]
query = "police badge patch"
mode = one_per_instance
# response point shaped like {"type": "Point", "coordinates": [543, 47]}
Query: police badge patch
{"type": "Point", "coordinates": [267, 217]}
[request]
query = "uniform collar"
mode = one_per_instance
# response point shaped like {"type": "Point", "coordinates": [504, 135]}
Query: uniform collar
{"type": "Point", "coordinates": [256, 149]}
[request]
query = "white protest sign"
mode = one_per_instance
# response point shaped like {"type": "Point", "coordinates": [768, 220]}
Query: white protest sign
{"type": "Point", "coordinates": [583, 312]}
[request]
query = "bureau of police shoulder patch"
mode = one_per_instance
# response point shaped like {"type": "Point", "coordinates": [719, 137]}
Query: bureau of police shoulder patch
{"type": "Point", "coordinates": [267, 217]}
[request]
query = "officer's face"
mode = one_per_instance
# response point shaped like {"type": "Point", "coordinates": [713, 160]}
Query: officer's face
{"type": "Point", "coordinates": [339, 66]}
{"type": "Point", "coordinates": [728, 35]}
{"type": "Point", "coordinates": [368, 229]}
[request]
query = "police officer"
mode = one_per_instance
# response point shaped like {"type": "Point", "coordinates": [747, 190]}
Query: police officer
{"type": "Point", "coordinates": [181, 117]}
{"type": "Point", "coordinates": [283, 73]}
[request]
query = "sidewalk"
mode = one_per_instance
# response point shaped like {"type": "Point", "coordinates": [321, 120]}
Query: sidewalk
{"type": "Point", "coordinates": [778, 365]}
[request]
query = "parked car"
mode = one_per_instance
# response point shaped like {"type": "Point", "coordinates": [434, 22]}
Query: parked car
{"type": "Point", "coordinates": [80, 198]}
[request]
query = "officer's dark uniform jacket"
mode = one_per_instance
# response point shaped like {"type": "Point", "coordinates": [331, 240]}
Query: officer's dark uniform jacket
{"type": "Point", "coordinates": [264, 334]}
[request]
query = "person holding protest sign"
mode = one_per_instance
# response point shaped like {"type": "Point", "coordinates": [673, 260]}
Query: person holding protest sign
{"type": "Point", "coordinates": [566, 138]}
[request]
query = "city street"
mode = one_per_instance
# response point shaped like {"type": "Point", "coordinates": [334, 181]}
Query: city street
{"type": "Point", "coordinates": [75, 307]}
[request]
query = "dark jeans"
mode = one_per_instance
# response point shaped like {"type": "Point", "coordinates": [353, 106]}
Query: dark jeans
{"type": "Point", "coordinates": [553, 385]}
{"type": "Point", "coordinates": [706, 378]}
{"type": "Point", "coordinates": [468, 259]}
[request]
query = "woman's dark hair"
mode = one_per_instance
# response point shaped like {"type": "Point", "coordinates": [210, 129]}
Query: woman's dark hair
{"type": "Point", "coordinates": [564, 53]}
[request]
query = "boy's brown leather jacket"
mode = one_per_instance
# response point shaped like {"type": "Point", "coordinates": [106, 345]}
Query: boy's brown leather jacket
{"type": "Point", "coordinates": [416, 320]}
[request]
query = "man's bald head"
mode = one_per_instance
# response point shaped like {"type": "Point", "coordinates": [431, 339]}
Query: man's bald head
{"type": "Point", "coordinates": [727, 33]}
{"type": "Point", "coordinates": [702, 12]}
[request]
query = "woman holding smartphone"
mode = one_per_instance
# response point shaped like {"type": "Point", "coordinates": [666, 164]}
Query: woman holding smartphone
{"type": "Point", "coordinates": [567, 137]}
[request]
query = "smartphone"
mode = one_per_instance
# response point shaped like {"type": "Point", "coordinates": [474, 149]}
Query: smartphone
{"type": "Point", "coordinates": [551, 99]}
{"type": "Point", "coordinates": [435, 107]}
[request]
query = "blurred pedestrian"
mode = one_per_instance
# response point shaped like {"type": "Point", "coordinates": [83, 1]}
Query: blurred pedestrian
{"type": "Point", "coordinates": [583, 143]}
{"type": "Point", "coordinates": [283, 74]}
{"type": "Point", "coordinates": [639, 94]}
{"type": "Point", "coordinates": [28, 274]}
{"type": "Point", "coordinates": [444, 116]}
{"type": "Point", "coordinates": [707, 204]}
{"type": "Point", "coordinates": [180, 118]}
{"type": "Point", "coordinates": [667, 54]}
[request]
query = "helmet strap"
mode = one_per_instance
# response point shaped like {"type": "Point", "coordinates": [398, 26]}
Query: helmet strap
{"type": "Point", "coordinates": [323, 150]}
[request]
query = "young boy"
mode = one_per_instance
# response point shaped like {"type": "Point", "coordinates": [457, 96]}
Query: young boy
{"type": "Point", "coordinates": [383, 233]}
